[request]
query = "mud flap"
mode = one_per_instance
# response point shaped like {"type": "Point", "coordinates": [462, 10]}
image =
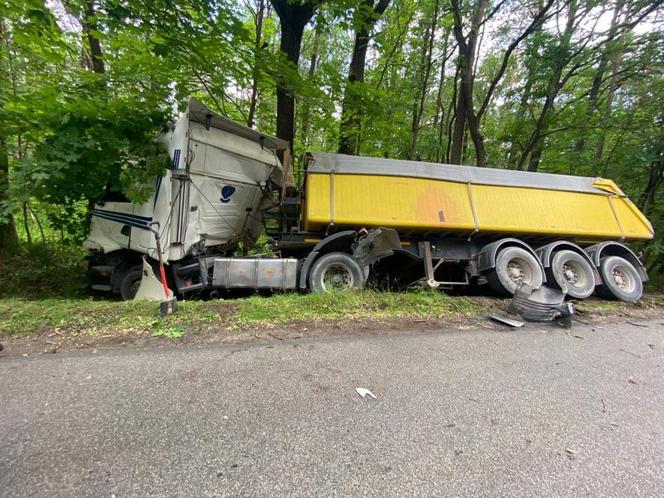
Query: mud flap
{"type": "Point", "coordinates": [376, 245]}
{"type": "Point", "coordinates": [150, 288]}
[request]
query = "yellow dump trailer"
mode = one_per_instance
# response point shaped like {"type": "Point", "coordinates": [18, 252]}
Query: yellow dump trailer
{"type": "Point", "coordinates": [409, 196]}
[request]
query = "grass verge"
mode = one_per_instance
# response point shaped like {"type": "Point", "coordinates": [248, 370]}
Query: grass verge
{"type": "Point", "coordinates": [24, 317]}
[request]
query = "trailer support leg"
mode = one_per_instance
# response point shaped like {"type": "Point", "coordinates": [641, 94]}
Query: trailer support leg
{"type": "Point", "coordinates": [429, 279]}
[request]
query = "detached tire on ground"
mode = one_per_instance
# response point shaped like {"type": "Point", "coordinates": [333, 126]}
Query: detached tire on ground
{"type": "Point", "coordinates": [335, 271]}
{"type": "Point", "coordinates": [571, 272]}
{"type": "Point", "coordinates": [130, 283]}
{"type": "Point", "coordinates": [620, 280]}
{"type": "Point", "coordinates": [514, 266]}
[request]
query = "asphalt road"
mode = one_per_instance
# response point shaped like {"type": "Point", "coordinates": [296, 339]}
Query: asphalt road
{"type": "Point", "coordinates": [527, 412]}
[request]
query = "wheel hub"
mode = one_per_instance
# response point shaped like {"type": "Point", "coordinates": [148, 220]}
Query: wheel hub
{"type": "Point", "coordinates": [619, 279]}
{"type": "Point", "coordinates": [515, 272]}
{"type": "Point", "coordinates": [338, 278]}
{"type": "Point", "coordinates": [570, 275]}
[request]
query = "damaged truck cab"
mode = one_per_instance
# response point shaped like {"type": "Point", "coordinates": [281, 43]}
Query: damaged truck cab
{"type": "Point", "coordinates": [354, 219]}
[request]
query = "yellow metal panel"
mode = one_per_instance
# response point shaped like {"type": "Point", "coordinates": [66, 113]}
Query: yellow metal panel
{"type": "Point", "coordinates": [547, 212]}
{"type": "Point", "coordinates": [634, 224]}
{"type": "Point", "coordinates": [425, 204]}
{"type": "Point", "coordinates": [317, 206]}
{"type": "Point", "coordinates": [400, 202]}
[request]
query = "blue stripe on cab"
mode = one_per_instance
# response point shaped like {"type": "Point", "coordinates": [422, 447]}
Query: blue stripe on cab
{"type": "Point", "coordinates": [141, 222]}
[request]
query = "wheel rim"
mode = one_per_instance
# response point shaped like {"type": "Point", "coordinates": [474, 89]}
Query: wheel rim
{"type": "Point", "coordinates": [575, 274]}
{"type": "Point", "coordinates": [519, 271]}
{"type": "Point", "coordinates": [337, 277]}
{"type": "Point", "coordinates": [623, 279]}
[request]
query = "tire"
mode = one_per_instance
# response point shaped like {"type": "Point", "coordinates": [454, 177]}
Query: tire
{"type": "Point", "coordinates": [620, 280]}
{"type": "Point", "coordinates": [503, 278]}
{"type": "Point", "coordinates": [571, 272]}
{"type": "Point", "coordinates": [336, 271]}
{"type": "Point", "coordinates": [130, 283]}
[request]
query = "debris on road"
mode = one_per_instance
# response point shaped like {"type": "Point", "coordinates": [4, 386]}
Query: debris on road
{"type": "Point", "coordinates": [507, 321]}
{"type": "Point", "coordinates": [542, 304]}
{"type": "Point", "coordinates": [638, 324]}
{"type": "Point", "coordinates": [570, 451]}
{"type": "Point", "coordinates": [363, 392]}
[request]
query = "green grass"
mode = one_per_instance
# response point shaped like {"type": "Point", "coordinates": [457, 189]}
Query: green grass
{"type": "Point", "coordinates": [284, 308]}
{"type": "Point", "coordinates": [25, 317]}
{"type": "Point", "coordinates": [20, 316]}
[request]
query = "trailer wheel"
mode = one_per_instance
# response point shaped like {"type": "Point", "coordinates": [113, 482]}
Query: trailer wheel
{"type": "Point", "coordinates": [336, 271]}
{"type": "Point", "coordinates": [620, 280]}
{"type": "Point", "coordinates": [514, 266]}
{"type": "Point", "coordinates": [130, 283]}
{"type": "Point", "coordinates": [570, 271]}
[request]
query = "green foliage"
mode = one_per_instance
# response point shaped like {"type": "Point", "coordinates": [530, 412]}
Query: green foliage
{"type": "Point", "coordinates": [70, 131]}
{"type": "Point", "coordinates": [43, 270]}
{"type": "Point", "coordinates": [110, 143]}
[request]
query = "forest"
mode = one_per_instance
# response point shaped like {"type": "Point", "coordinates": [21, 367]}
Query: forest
{"type": "Point", "coordinates": [562, 86]}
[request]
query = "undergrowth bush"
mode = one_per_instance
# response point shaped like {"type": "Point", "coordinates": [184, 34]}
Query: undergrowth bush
{"type": "Point", "coordinates": [49, 269]}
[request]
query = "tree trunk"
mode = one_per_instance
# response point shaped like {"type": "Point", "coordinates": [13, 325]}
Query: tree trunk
{"type": "Point", "coordinates": [253, 101]}
{"type": "Point", "coordinates": [425, 72]}
{"type": "Point", "coordinates": [89, 27]}
{"type": "Point", "coordinates": [439, 120]}
{"type": "Point", "coordinates": [366, 16]}
{"type": "Point", "coordinates": [8, 236]}
{"type": "Point", "coordinates": [535, 146]}
{"type": "Point", "coordinates": [655, 179]}
{"type": "Point", "coordinates": [613, 86]}
{"type": "Point", "coordinates": [294, 17]}
{"type": "Point", "coordinates": [512, 155]}
{"type": "Point", "coordinates": [464, 112]}
{"type": "Point", "coordinates": [306, 111]}
{"type": "Point", "coordinates": [452, 110]}
{"type": "Point", "coordinates": [593, 95]}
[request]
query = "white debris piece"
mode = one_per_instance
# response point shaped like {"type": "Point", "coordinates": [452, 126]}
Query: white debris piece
{"type": "Point", "coordinates": [363, 391]}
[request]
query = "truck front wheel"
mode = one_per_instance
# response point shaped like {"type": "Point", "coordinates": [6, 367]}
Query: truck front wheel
{"type": "Point", "coordinates": [130, 283]}
{"type": "Point", "coordinates": [514, 266]}
{"type": "Point", "coordinates": [336, 271]}
{"type": "Point", "coordinates": [620, 280]}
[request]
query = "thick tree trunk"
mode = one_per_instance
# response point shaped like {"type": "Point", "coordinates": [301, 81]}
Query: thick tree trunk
{"type": "Point", "coordinates": [350, 114]}
{"type": "Point", "coordinates": [90, 26]}
{"type": "Point", "coordinates": [439, 120]}
{"type": "Point", "coordinates": [253, 100]}
{"type": "Point", "coordinates": [464, 112]}
{"type": "Point", "coordinates": [366, 16]}
{"type": "Point", "coordinates": [294, 17]}
{"type": "Point", "coordinates": [306, 111]}
{"type": "Point", "coordinates": [456, 148]}
{"type": "Point", "coordinates": [8, 236]}
{"type": "Point", "coordinates": [451, 124]}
